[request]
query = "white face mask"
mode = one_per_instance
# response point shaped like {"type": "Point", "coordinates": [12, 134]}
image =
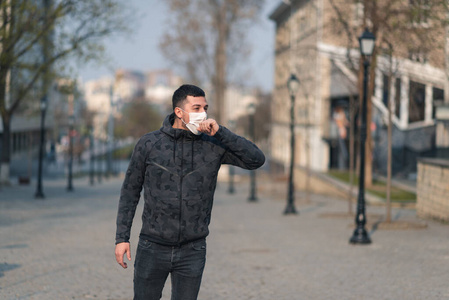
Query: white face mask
{"type": "Point", "coordinates": [194, 121]}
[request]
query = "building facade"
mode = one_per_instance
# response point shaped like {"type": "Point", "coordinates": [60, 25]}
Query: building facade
{"type": "Point", "coordinates": [313, 45]}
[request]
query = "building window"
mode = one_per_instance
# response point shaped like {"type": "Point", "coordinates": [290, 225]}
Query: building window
{"type": "Point", "coordinates": [438, 96]}
{"type": "Point", "coordinates": [357, 14]}
{"type": "Point", "coordinates": [417, 102]}
{"type": "Point", "coordinates": [418, 54]}
{"type": "Point", "coordinates": [385, 90]}
{"type": "Point", "coordinates": [397, 98]}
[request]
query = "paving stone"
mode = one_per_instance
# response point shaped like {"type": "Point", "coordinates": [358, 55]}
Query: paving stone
{"type": "Point", "coordinates": [63, 248]}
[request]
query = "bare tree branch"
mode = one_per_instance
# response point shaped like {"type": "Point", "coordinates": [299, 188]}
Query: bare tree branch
{"type": "Point", "coordinates": [76, 28]}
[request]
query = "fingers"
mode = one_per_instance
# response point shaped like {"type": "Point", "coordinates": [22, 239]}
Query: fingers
{"type": "Point", "coordinates": [201, 127]}
{"type": "Point", "coordinates": [205, 127]}
{"type": "Point", "coordinates": [128, 254]}
{"type": "Point", "coordinates": [208, 127]}
{"type": "Point", "coordinates": [120, 261]}
{"type": "Point", "coordinates": [120, 250]}
{"type": "Point", "coordinates": [123, 264]}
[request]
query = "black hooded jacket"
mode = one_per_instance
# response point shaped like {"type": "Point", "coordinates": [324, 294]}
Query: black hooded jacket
{"type": "Point", "coordinates": [178, 172]}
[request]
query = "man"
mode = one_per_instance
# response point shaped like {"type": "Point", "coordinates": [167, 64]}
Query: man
{"type": "Point", "coordinates": [177, 167]}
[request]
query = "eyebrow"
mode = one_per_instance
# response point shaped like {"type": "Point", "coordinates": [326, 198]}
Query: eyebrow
{"type": "Point", "coordinates": [199, 105]}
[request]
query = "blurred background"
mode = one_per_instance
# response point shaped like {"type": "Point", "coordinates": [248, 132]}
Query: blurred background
{"type": "Point", "coordinates": [81, 81]}
{"type": "Point", "coordinates": [337, 93]}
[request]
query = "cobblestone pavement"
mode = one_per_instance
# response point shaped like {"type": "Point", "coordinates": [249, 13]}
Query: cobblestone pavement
{"type": "Point", "coordinates": [63, 248]}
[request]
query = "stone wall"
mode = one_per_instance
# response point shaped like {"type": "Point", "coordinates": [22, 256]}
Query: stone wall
{"type": "Point", "coordinates": [433, 189]}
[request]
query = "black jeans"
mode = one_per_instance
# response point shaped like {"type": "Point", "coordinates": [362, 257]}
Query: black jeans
{"type": "Point", "coordinates": [154, 262]}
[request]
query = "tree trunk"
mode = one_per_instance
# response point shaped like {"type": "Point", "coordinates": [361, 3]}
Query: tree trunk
{"type": "Point", "coordinates": [351, 152]}
{"type": "Point", "coordinates": [390, 138]}
{"type": "Point", "coordinates": [308, 156]}
{"type": "Point", "coordinates": [5, 149]}
{"type": "Point", "coordinates": [389, 155]}
{"type": "Point", "coordinates": [369, 117]}
{"type": "Point", "coordinates": [368, 143]}
{"type": "Point", "coordinates": [360, 90]}
{"type": "Point", "coordinates": [220, 65]}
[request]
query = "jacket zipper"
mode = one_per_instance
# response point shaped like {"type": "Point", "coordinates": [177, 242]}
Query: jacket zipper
{"type": "Point", "coordinates": [162, 167]}
{"type": "Point", "coordinates": [180, 190]}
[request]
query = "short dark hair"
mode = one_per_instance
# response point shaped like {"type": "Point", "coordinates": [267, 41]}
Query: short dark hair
{"type": "Point", "coordinates": [186, 90]}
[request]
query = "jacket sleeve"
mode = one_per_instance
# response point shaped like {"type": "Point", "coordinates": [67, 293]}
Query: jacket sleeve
{"type": "Point", "coordinates": [130, 192]}
{"type": "Point", "coordinates": [239, 151]}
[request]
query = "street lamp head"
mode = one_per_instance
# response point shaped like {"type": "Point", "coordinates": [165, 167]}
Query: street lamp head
{"type": "Point", "coordinates": [293, 84]}
{"type": "Point", "coordinates": [251, 109]}
{"type": "Point", "coordinates": [367, 41]}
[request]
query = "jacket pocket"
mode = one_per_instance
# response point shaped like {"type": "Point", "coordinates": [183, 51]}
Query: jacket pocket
{"type": "Point", "coordinates": [162, 219]}
{"type": "Point", "coordinates": [144, 243]}
{"type": "Point", "coordinates": [199, 245]}
{"type": "Point", "coordinates": [195, 215]}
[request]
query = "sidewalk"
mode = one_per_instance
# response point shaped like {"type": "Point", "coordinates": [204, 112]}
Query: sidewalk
{"type": "Point", "coordinates": [63, 248]}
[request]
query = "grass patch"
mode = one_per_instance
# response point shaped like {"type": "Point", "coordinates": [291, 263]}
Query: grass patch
{"type": "Point", "coordinates": [379, 188]}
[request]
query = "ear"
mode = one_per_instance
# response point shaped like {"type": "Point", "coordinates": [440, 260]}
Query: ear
{"type": "Point", "coordinates": [178, 112]}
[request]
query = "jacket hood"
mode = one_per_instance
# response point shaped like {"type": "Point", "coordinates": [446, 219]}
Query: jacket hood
{"type": "Point", "coordinates": [176, 133]}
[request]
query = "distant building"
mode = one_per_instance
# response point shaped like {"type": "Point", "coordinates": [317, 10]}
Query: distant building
{"type": "Point", "coordinates": [159, 88]}
{"type": "Point", "coordinates": [129, 84]}
{"type": "Point", "coordinates": [156, 87]}
{"type": "Point", "coordinates": [25, 127]}
{"type": "Point", "coordinates": [237, 101]}
{"type": "Point", "coordinates": [307, 45]}
{"type": "Point", "coordinates": [98, 97]}
{"type": "Point", "coordinates": [25, 121]}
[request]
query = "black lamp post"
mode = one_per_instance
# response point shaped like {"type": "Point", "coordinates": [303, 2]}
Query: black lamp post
{"type": "Point", "coordinates": [251, 111]}
{"type": "Point", "coordinates": [70, 165]}
{"type": "Point", "coordinates": [231, 189]}
{"type": "Point", "coordinates": [92, 161]}
{"type": "Point", "coordinates": [45, 54]}
{"type": "Point", "coordinates": [39, 192]}
{"type": "Point", "coordinates": [110, 140]}
{"type": "Point", "coordinates": [293, 86]}
{"type": "Point", "coordinates": [360, 235]}
{"type": "Point", "coordinates": [99, 159]}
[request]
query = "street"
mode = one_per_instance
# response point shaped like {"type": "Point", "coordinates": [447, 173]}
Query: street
{"type": "Point", "coordinates": [62, 247]}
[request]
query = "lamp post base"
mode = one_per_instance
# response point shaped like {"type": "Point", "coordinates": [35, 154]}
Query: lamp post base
{"type": "Point", "coordinates": [290, 210]}
{"type": "Point", "coordinates": [252, 194]}
{"type": "Point", "coordinates": [252, 199]}
{"type": "Point", "coordinates": [39, 195]}
{"type": "Point", "coordinates": [360, 236]}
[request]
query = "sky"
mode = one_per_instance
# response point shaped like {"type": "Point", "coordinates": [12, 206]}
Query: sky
{"type": "Point", "coordinates": [139, 50]}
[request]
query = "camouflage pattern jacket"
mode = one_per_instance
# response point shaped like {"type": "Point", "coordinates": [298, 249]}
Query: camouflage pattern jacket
{"type": "Point", "coordinates": [178, 173]}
